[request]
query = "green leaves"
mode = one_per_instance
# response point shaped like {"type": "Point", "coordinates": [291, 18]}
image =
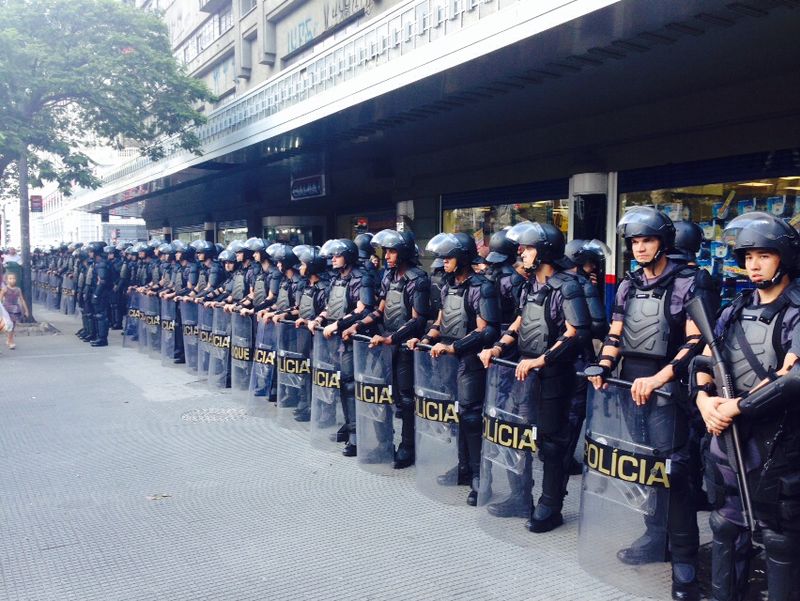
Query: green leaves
{"type": "Point", "coordinates": [78, 73]}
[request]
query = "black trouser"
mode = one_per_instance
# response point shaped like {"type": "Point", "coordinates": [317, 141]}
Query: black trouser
{"type": "Point", "coordinates": [101, 305]}
{"type": "Point", "coordinates": [668, 432]}
{"type": "Point", "coordinates": [179, 353]}
{"type": "Point", "coordinates": [404, 385]}
{"type": "Point", "coordinates": [348, 391]}
{"type": "Point", "coordinates": [471, 392]}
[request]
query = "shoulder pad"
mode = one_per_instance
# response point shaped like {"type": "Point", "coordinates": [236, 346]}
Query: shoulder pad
{"type": "Point", "coordinates": [792, 293]}
{"type": "Point", "coordinates": [477, 279]}
{"type": "Point", "coordinates": [560, 279]}
{"type": "Point", "coordinates": [414, 273]}
{"type": "Point", "coordinates": [687, 271]}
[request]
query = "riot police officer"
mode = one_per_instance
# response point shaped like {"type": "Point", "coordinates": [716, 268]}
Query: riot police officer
{"type": "Point", "coordinates": [186, 276]}
{"type": "Point", "coordinates": [501, 258]}
{"type": "Point", "coordinates": [655, 341]}
{"type": "Point", "coordinates": [550, 333]}
{"type": "Point", "coordinates": [468, 322]}
{"type": "Point", "coordinates": [99, 286]}
{"type": "Point", "coordinates": [402, 313]}
{"type": "Point", "coordinates": [351, 297]}
{"type": "Point", "coordinates": [311, 297]}
{"type": "Point", "coordinates": [759, 335]}
{"type": "Point", "coordinates": [578, 256]}
{"type": "Point", "coordinates": [688, 242]}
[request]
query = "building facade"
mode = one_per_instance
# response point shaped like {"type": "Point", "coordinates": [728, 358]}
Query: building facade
{"type": "Point", "coordinates": [336, 116]}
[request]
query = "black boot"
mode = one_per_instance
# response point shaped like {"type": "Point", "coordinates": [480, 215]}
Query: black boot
{"type": "Point", "coordinates": [544, 518]}
{"type": "Point", "coordinates": [684, 582]}
{"type": "Point", "coordinates": [460, 475]}
{"type": "Point", "coordinates": [472, 497]}
{"type": "Point", "coordinates": [404, 457]}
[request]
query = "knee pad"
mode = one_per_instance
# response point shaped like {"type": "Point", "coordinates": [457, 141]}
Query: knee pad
{"type": "Point", "coordinates": [724, 530]}
{"type": "Point", "coordinates": [781, 546]}
{"type": "Point", "coordinates": [550, 450]}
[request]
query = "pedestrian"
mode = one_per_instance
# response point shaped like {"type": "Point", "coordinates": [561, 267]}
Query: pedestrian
{"type": "Point", "coordinates": [14, 303]}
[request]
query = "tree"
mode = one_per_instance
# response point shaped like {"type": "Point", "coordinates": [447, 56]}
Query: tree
{"type": "Point", "coordinates": [76, 74]}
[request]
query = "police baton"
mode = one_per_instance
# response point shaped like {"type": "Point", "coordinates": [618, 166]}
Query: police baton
{"type": "Point", "coordinates": [361, 337]}
{"type": "Point", "coordinates": [504, 362]}
{"type": "Point", "coordinates": [722, 377]}
{"type": "Point", "coordinates": [423, 347]}
{"type": "Point", "coordinates": [595, 370]}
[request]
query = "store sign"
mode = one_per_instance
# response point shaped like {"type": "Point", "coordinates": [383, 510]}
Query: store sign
{"type": "Point", "coordinates": [308, 187]}
{"type": "Point", "coordinates": [36, 204]}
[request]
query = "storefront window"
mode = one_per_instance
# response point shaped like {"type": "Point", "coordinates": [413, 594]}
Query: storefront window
{"type": "Point", "coordinates": [294, 235]}
{"type": "Point", "coordinates": [712, 206]}
{"type": "Point", "coordinates": [189, 237]}
{"type": "Point", "coordinates": [482, 222]}
{"type": "Point", "coordinates": [228, 235]}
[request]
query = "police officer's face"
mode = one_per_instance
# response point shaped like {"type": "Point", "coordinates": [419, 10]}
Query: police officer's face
{"type": "Point", "coordinates": [761, 265]}
{"type": "Point", "coordinates": [528, 254]}
{"type": "Point", "coordinates": [240, 257]}
{"type": "Point", "coordinates": [644, 248]}
{"type": "Point", "coordinates": [589, 267]}
{"type": "Point", "coordinates": [450, 264]}
{"type": "Point", "coordinates": [338, 262]}
{"type": "Point", "coordinates": [390, 254]}
{"type": "Point", "coordinates": [229, 266]}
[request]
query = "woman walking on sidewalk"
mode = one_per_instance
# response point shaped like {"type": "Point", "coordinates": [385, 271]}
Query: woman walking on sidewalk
{"type": "Point", "coordinates": [15, 304]}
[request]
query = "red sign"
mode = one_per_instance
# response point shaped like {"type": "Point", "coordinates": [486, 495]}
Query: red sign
{"type": "Point", "coordinates": [36, 204]}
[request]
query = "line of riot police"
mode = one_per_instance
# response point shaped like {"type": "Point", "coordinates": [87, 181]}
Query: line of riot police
{"type": "Point", "coordinates": [474, 371]}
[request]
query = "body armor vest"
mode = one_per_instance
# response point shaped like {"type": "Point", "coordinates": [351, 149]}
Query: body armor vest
{"type": "Point", "coordinates": [647, 329]}
{"type": "Point", "coordinates": [454, 314]}
{"type": "Point", "coordinates": [395, 312]}
{"type": "Point", "coordinates": [537, 330]}
{"type": "Point", "coordinates": [125, 271]}
{"type": "Point", "coordinates": [237, 291]}
{"type": "Point", "coordinates": [337, 300]}
{"type": "Point", "coordinates": [760, 331]}
{"type": "Point", "coordinates": [90, 276]}
{"type": "Point", "coordinates": [156, 273]}
{"type": "Point", "coordinates": [202, 280]}
{"type": "Point", "coordinates": [177, 281]}
{"type": "Point", "coordinates": [306, 305]}
{"type": "Point", "coordinates": [437, 283]}
{"type": "Point", "coordinates": [81, 279]}
{"type": "Point", "coordinates": [259, 291]}
{"type": "Point", "coordinates": [283, 302]}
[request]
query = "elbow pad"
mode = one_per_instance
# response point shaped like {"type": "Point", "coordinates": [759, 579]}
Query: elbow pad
{"type": "Point", "coordinates": [773, 396]}
{"type": "Point", "coordinates": [566, 350]}
{"type": "Point", "coordinates": [472, 342]}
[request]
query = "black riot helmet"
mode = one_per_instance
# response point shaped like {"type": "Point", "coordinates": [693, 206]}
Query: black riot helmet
{"type": "Point", "coordinates": [593, 251]}
{"type": "Point", "coordinates": [95, 248]}
{"type": "Point", "coordinates": [111, 250]}
{"type": "Point", "coordinates": [502, 250]}
{"type": "Point", "coordinates": [237, 246]}
{"type": "Point", "coordinates": [688, 240]}
{"type": "Point", "coordinates": [285, 257]}
{"type": "Point", "coordinates": [166, 249]}
{"type": "Point", "coordinates": [154, 243]}
{"type": "Point", "coordinates": [312, 257]}
{"type": "Point", "coordinates": [456, 246]}
{"type": "Point", "coordinates": [647, 221]}
{"type": "Point", "coordinates": [342, 247]}
{"type": "Point", "coordinates": [227, 256]}
{"type": "Point", "coordinates": [546, 238]}
{"type": "Point", "coordinates": [402, 242]}
{"type": "Point", "coordinates": [178, 246]}
{"type": "Point", "coordinates": [204, 247]}
{"type": "Point", "coordinates": [123, 246]}
{"type": "Point", "coordinates": [255, 245]}
{"type": "Point", "coordinates": [572, 251]}
{"type": "Point", "coordinates": [364, 244]}
{"type": "Point", "coordinates": [270, 251]}
{"type": "Point", "coordinates": [758, 230]}
{"type": "Point", "coordinates": [188, 253]}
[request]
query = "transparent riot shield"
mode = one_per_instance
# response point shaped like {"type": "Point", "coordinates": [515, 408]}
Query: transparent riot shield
{"type": "Point", "coordinates": [625, 491]}
{"type": "Point", "coordinates": [293, 375]}
{"type": "Point", "coordinates": [327, 416]}
{"type": "Point", "coordinates": [146, 316]}
{"type": "Point", "coordinates": [190, 330]}
{"type": "Point", "coordinates": [436, 424]}
{"type": "Point", "coordinates": [54, 292]}
{"type": "Point", "coordinates": [241, 354]}
{"type": "Point", "coordinates": [262, 372]}
{"type": "Point", "coordinates": [219, 360]}
{"type": "Point", "coordinates": [130, 331]}
{"type": "Point", "coordinates": [373, 374]}
{"type": "Point", "coordinates": [507, 454]}
{"type": "Point", "coordinates": [67, 296]}
{"type": "Point", "coordinates": [168, 325]}
{"type": "Point", "coordinates": [205, 320]}
{"type": "Point", "coordinates": [153, 318]}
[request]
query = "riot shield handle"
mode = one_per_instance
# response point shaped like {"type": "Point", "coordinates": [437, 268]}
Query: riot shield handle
{"type": "Point", "coordinates": [595, 370]}
{"type": "Point", "coordinates": [288, 322]}
{"type": "Point", "coordinates": [362, 337]}
{"type": "Point", "coordinates": [699, 313]}
{"type": "Point", "coordinates": [423, 347]}
{"type": "Point", "coordinates": [505, 362]}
